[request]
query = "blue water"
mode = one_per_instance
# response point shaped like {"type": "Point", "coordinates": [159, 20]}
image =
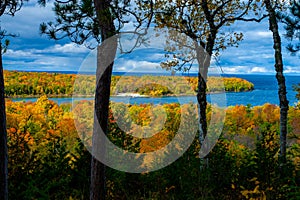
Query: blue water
{"type": "Point", "coordinates": [265, 92]}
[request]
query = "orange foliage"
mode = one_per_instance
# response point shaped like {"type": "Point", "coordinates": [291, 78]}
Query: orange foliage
{"type": "Point", "coordinates": [36, 124]}
{"type": "Point", "coordinates": [158, 141]}
{"type": "Point", "coordinates": [238, 120]}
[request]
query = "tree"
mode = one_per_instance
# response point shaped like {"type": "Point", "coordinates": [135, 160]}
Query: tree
{"type": "Point", "coordinates": [3, 132]}
{"type": "Point", "coordinates": [82, 21]}
{"type": "Point", "coordinates": [283, 102]}
{"type": "Point", "coordinates": [9, 7]}
{"type": "Point", "coordinates": [204, 22]}
{"type": "Point", "coordinates": [292, 22]}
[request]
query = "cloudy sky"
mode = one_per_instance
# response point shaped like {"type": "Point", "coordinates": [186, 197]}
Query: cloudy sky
{"type": "Point", "coordinates": [32, 52]}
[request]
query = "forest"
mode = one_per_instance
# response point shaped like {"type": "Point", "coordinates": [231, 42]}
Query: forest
{"type": "Point", "coordinates": [53, 151]}
{"type": "Point", "coordinates": [48, 160]}
{"type": "Point", "coordinates": [27, 84]}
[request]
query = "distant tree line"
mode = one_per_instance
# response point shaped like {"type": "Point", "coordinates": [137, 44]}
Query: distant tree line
{"type": "Point", "coordinates": [55, 84]}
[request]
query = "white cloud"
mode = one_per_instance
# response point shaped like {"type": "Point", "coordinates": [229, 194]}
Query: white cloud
{"type": "Point", "coordinates": [235, 70]}
{"type": "Point", "coordinates": [17, 53]}
{"type": "Point", "coordinates": [267, 56]}
{"type": "Point", "coordinates": [259, 70]}
{"type": "Point", "coordinates": [57, 58]}
{"type": "Point", "coordinates": [68, 48]}
{"type": "Point", "coordinates": [55, 53]}
{"type": "Point", "coordinates": [264, 34]}
{"type": "Point", "coordinates": [26, 21]}
{"type": "Point", "coordinates": [246, 70]}
{"type": "Point", "coordinates": [156, 56]}
{"type": "Point", "coordinates": [57, 48]}
{"type": "Point", "coordinates": [137, 66]}
{"type": "Point", "coordinates": [292, 70]}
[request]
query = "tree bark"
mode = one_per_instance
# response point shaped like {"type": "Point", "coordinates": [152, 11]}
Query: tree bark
{"type": "Point", "coordinates": [3, 137]}
{"type": "Point", "coordinates": [201, 93]}
{"type": "Point", "coordinates": [204, 58]}
{"type": "Point", "coordinates": [283, 102]}
{"type": "Point", "coordinates": [103, 77]}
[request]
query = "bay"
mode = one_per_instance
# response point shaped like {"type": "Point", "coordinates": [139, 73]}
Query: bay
{"type": "Point", "coordinates": [265, 91]}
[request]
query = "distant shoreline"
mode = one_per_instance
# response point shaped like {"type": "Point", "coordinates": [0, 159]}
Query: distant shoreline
{"type": "Point", "coordinates": [35, 84]}
{"type": "Point", "coordinates": [134, 95]}
{"type": "Point", "coordinates": [192, 74]}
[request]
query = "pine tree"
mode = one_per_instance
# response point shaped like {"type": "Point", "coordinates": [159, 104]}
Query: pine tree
{"type": "Point", "coordinates": [292, 26]}
{"type": "Point", "coordinates": [9, 7]}
{"type": "Point", "coordinates": [82, 21]}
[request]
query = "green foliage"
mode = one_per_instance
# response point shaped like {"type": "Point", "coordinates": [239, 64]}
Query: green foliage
{"type": "Point", "coordinates": [297, 89]}
{"type": "Point", "coordinates": [292, 26]}
{"type": "Point", "coordinates": [75, 20]}
{"type": "Point", "coordinates": [154, 89]}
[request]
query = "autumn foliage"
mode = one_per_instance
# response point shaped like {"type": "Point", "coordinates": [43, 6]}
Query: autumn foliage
{"type": "Point", "coordinates": [54, 84]}
{"type": "Point", "coordinates": [48, 161]}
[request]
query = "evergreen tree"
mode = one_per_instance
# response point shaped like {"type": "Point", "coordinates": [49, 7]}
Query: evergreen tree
{"type": "Point", "coordinates": [292, 22]}
{"type": "Point", "coordinates": [82, 21]}
{"type": "Point", "coordinates": [7, 7]}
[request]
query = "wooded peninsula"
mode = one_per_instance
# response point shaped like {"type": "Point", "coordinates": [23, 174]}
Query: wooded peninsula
{"type": "Point", "coordinates": [34, 84]}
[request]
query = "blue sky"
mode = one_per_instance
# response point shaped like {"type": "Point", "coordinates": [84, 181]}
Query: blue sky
{"type": "Point", "coordinates": [31, 51]}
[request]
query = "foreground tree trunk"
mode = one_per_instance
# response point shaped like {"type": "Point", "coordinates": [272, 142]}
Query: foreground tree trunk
{"type": "Point", "coordinates": [284, 103]}
{"type": "Point", "coordinates": [103, 77]}
{"type": "Point", "coordinates": [204, 53]}
{"type": "Point", "coordinates": [3, 137]}
{"type": "Point", "coordinates": [201, 93]}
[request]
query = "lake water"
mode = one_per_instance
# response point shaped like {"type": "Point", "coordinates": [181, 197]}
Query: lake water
{"type": "Point", "coordinates": [266, 91]}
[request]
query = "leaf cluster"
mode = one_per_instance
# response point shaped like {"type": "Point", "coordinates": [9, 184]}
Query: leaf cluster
{"type": "Point", "coordinates": [10, 7]}
{"type": "Point", "coordinates": [292, 26]}
{"type": "Point", "coordinates": [206, 22]}
{"type": "Point", "coordinates": [78, 20]}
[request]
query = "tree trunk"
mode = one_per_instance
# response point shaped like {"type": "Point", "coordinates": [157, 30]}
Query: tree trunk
{"type": "Point", "coordinates": [201, 94]}
{"type": "Point", "coordinates": [3, 137]}
{"type": "Point", "coordinates": [103, 77]}
{"type": "Point", "coordinates": [203, 58]}
{"type": "Point", "coordinates": [98, 189]}
{"type": "Point", "coordinates": [284, 103]}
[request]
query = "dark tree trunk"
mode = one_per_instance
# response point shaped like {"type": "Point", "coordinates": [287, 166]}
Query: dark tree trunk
{"type": "Point", "coordinates": [103, 77]}
{"type": "Point", "coordinates": [201, 93]}
{"type": "Point", "coordinates": [201, 97]}
{"type": "Point", "coordinates": [3, 137]}
{"type": "Point", "coordinates": [203, 58]}
{"type": "Point", "coordinates": [98, 189]}
{"type": "Point", "coordinates": [284, 103]}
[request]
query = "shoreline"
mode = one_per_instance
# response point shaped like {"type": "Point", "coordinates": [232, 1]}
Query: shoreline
{"type": "Point", "coordinates": [134, 95]}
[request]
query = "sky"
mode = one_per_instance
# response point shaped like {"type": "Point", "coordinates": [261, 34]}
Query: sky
{"type": "Point", "coordinates": [31, 51]}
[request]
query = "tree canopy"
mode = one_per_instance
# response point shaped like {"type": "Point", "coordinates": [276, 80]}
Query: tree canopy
{"type": "Point", "coordinates": [7, 7]}
{"type": "Point", "coordinates": [77, 20]}
{"type": "Point", "coordinates": [291, 20]}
